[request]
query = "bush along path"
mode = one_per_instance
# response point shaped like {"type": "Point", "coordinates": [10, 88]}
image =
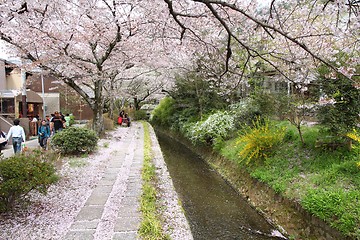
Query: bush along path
{"type": "Point", "coordinates": [97, 196]}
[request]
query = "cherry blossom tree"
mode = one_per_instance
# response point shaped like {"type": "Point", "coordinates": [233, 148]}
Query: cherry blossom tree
{"type": "Point", "coordinates": [87, 44]}
{"type": "Point", "coordinates": [91, 42]}
{"type": "Point", "coordinates": [285, 35]}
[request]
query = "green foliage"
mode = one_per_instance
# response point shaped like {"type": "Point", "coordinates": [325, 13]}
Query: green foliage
{"type": "Point", "coordinates": [72, 120]}
{"type": "Point", "coordinates": [212, 130]}
{"type": "Point", "coordinates": [140, 115]}
{"type": "Point", "coordinates": [21, 174]}
{"type": "Point", "coordinates": [163, 113]}
{"type": "Point", "coordinates": [341, 206]}
{"type": "Point", "coordinates": [75, 141]}
{"type": "Point", "coordinates": [355, 136]}
{"type": "Point", "coordinates": [342, 115]}
{"type": "Point", "coordinates": [264, 101]}
{"type": "Point", "coordinates": [313, 176]}
{"type": "Point", "coordinates": [150, 226]}
{"type": "Point", "coordinates": [259, 141]}
{"type": "Point", "coordinates": [196, 95]}
{"type": "Point", "coordinates": [245, 112]}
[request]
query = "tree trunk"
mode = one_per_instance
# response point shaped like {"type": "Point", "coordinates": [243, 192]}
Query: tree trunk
{"type": "Point", "coordinates": [98, 108]}
{"type": "Point", "coordinates": [136, 104]}
{"type": "Point", "coordinates": [98, 119]}
{"type": "Point", "coordinates": [111, 107]}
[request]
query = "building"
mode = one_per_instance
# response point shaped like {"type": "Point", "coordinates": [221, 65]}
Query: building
{"type": "Point", "coordinates": [58, 96]}
{"type": "Point", "coordinates": [15, 100]}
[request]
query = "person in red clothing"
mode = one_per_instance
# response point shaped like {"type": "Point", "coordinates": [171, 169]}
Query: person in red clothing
{"type": "Point", "coordinates": [121, 117]}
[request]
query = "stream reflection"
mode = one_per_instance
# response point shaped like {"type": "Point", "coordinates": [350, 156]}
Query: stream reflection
{"type": "Point", "coordinates": [213, 209]}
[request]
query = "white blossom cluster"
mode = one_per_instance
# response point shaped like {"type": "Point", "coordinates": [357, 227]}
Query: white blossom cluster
{"type": "Point", "coordinates": [216, 127]}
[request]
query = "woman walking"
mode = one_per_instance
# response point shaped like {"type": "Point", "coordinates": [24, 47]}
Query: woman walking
{"type": "Point", "coordinates": [18, 136]}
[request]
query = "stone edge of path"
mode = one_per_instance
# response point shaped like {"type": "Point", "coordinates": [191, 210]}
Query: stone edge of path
{"type": "Point", "coordinates": [175, 222]}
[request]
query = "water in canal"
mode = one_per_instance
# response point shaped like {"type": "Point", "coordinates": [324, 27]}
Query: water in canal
{"type": "Point", "coordinates": [213, 209]}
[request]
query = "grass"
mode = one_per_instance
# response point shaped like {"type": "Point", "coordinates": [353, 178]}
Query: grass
{"type": "Point", "coordinates": [150, 227]}
{"type": "Point", "coordinates": [326, 182]}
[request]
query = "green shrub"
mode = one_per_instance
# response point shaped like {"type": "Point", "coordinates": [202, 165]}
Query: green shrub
{"type": "Point", "coordinates": [140, 115]}
{"type": "Point", "coordinates": [21, 174]}
{"type": "Point", "coordinates": [213, 130]}
{"type": "Point", "coordinates": [258, 142]}
{"type": "Point", "coordinates": [162, 114]}
{"type": "Point", "coordinates": [245, 112]}
{"type": "Point", "coordinates": [75, 141]}
{"type": "Point", "coordinates": [339, 108]}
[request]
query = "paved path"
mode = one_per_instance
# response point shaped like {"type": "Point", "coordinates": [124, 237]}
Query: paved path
{"type": "Point", "coordinates": [8, 151]}
{"type": "Point", "coordinates": [112, 210]}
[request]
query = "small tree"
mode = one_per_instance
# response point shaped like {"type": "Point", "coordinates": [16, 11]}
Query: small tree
{"type": "Point", "coordinates": [21, 174]}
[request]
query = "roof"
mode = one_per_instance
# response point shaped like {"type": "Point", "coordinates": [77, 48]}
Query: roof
{"type": "Point", "coordinates": [31, 96]}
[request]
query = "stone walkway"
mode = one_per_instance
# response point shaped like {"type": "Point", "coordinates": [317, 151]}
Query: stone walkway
{"type": "Point", "coordinates": [112, 210]}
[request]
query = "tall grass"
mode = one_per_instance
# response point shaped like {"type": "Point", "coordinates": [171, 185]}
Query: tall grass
{"type": "Point", "coordinates": [150, 227]}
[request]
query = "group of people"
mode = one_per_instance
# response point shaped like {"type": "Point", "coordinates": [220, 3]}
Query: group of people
{"type": "Point", "coordinates": [47, 128]}
{"type": "Point", "coordinates": [123, 118]}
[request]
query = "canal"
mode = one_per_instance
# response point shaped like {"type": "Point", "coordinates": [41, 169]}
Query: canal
{"type": "Point", "coordinates": [213, 208]}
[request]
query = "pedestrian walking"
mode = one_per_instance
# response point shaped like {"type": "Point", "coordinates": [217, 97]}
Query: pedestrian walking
{"type": "Point", "coordinates": [44, 134]}
{"type": "Point", "coordinates": [57, 123]}
{"type": "Point", "coordinates": [18, 136]}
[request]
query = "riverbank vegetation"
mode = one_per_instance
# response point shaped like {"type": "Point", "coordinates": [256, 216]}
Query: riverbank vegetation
{"type": "Point", "coordinates": [150, 227]}
{"type": "Point", "coordinates": [305, 146]}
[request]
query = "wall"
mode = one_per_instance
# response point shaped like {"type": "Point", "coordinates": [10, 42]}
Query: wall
{"type": "Point", "coordinates": [13, 81]}
{"type": "Point", "coordinates": [52, 101]}
{"type": "Point", "coordinates": [2, 75]}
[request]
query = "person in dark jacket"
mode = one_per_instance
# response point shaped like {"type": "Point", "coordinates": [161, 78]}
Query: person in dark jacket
{"type": "Point", "coordinates": [57, 123]}
{"type": "Point", "coordinates": [43, 134]}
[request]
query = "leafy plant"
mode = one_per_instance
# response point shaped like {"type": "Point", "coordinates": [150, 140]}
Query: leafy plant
{"type": "Point", "coordinates": [355, 136]}
{"type": "Point", "coordinates": [140, 115]}
{"type": "Point", "coordinates": [21, 174]}
{"type": "Point", "coordinates": [162, 114]}
{"type": "Point", "coordinates": [258, 142]}
{"type": "Point", "coordinates": [75, 141]}
{"type": "Point", "coordinates": [213, 130]}
{"type": "Point", "coordinates": [245, 112]}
